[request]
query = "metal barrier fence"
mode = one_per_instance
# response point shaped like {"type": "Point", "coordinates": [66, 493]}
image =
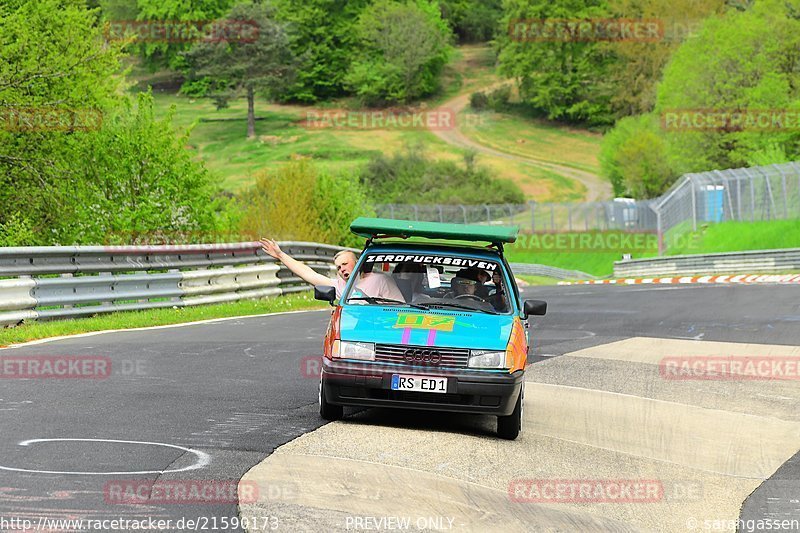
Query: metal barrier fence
{"type": "Point", "coordinates": [743, 194]}
{"type": "Point", "coordinates": [619, 214]}
{"type": "Point", "coordinates": [755, 262]}
{"type": "Point", "coordinates": [56, 282]}
{"type": "Point", "coordinates": [74, 281]}
{"type": "Point", "coordinates": [532, 269]}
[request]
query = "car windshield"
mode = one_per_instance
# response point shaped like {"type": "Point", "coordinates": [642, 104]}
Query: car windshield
{"type": "Point", "coordinates": [431, 281]}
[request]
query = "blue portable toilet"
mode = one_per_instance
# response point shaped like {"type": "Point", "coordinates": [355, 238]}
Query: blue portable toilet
{"type": "Point", "coordinates": [712, 199]}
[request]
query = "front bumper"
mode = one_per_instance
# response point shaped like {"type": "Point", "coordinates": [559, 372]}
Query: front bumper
{"type": "Point", "coordinates": [369, 385]}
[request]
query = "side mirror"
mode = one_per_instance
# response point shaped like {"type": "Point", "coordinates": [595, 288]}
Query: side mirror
{"type": "Point", "coordinates": [326, 293]}
{"type": "Point", "coordinates": [534, 307]}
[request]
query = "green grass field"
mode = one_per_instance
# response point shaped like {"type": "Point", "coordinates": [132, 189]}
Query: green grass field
{"type": "Point", "coordinates": [284, 133]}
{"type": "Point", "coordinates": [714, 238]}
{"type": "Point", "coordinates": [537, 139]}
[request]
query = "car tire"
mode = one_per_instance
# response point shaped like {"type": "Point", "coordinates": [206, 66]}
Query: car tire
{"type": "Point", "coordinates": [328, 411]}
{"type": "Point", "coordinates": [508, 427]}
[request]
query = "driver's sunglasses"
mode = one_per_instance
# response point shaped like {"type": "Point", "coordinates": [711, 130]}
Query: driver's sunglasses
{"type": "Point", "coordinates": [462, 281]}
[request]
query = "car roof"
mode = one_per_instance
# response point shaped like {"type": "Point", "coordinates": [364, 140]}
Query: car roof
{"type": "Point", "coordinates": [374, 228]}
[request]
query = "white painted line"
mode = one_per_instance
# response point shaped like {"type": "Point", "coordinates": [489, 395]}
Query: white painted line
{"type": "Point", "coordinates": [145, 328]}
{"type": "Point", "coordinates": [203, 459]}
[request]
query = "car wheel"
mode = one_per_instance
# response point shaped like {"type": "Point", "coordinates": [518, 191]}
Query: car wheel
{"type": "Point", "coordinates": [327, 410]}
{"type": "Point", "coordinates": [508, 427]}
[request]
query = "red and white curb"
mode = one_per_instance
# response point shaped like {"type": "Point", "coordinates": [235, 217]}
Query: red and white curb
{"type": "Point", "coordinates": [744, 278]}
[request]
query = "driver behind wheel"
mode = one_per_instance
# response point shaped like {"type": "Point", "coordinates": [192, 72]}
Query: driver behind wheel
{"type": "Point", "coordinates": [465, 282]}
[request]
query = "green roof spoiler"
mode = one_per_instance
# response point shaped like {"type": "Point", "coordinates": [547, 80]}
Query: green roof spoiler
{"type": "Point", "coordinates": [375, 228]}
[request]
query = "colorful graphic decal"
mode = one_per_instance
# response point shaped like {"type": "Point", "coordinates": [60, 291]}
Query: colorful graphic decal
{"type": "Point", "coordinates": [432, 323]}
{"type": "Point", "coordinates": [418, 321]}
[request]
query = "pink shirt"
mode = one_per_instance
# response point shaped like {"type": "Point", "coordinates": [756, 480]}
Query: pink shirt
{"type": "Point", "coordinates": [373, 284]}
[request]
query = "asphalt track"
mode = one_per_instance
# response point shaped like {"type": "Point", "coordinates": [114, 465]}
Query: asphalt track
{"type": "Point", "coordinates": [237, 389]}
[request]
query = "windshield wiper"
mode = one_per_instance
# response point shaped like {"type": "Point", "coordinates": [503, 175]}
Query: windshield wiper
{"type": "Point", "coordinates": [459, 306]}
{"type": "Point", "coordinates": [379, 300]}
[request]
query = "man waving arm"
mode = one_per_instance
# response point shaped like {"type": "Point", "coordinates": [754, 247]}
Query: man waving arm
{"type": "Point", "coordinates": [301, 270]}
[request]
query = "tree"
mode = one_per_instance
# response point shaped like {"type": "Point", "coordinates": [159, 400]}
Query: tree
{"type": "Point", "coordinates": [473, 20]}
{"type": "Point", "coordinates": [634, 158]}
{"type": "Point", "coordinates": [53, 63]}
{"type": "Point", "coordinates": [566, 79]}
{"type": "Point", "coordinates": [263, 64]}
{"type": "Point", "coordinates": [403, 49]}
{"type": "Point", "coordinates": [638, 64]}
{"type": "Point", "coordinates": [141, 179]}
{"type": "Point", "coordinates": [323, 37]}
{"type": "Point", "coordinates": [743, 61]}
{"type": "Point", "coordinates": [166, 51]}
{"type": "Point", "coordinates": [99, 162]}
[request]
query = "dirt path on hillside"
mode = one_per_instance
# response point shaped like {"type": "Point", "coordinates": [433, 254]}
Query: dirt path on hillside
{"type": "Point", "coordinates": [597, 188]}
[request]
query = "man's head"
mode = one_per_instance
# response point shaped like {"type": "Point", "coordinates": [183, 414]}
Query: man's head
{"type": "Point", "coordinates": [465, 281]}
{"type": "Point", "coordinates": [345, 262]}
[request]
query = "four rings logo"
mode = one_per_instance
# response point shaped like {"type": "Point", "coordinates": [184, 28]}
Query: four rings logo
{"type": "Point", "coordinates": [428, 357]}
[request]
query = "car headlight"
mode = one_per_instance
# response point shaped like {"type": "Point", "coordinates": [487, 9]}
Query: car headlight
{"type": "Point", "coordinates": [487, 359]}
{"type": "Point", "coordinates": [364, 351]}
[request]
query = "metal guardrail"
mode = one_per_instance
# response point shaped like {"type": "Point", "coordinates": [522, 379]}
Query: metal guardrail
{"type": "Point", "coordinates": [56, 282]}
{"type": "Point", "coordinates": [75, 281]}
{"type": "Point", "coordinates": [548, 271]}
{"type": "Point", "coordinates": [722, 263]}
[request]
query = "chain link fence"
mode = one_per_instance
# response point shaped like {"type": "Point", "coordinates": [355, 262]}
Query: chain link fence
{"type": "Point", "coordinates": [743, 194]}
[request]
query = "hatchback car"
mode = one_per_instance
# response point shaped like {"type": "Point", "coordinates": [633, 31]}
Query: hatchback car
{"type": "Point", "coordinates": [449, 331]}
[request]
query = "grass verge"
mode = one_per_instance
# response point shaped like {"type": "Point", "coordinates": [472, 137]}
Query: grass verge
{"type": "Point", "coordinates": [537, 280]}
{"type": "Point", "coordinates": [156, 317]}
{"type": "Point", "coordinates": [712, 238]}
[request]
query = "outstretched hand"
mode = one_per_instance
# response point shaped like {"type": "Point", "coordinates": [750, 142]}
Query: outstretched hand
{"type": "Point", "coordinates": [270, 247]}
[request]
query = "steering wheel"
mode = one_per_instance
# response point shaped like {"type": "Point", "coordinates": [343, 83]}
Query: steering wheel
{"type": "Point", "coordinates": [469, 296]}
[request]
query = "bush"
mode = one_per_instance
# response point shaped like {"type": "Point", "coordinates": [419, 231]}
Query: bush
{"type": "Point", "coordinates": [478, 101]}
{"type": "Point", "coordinates": [634, 158]}
{"type": "Point", "coordinates": [403, 48]}
{"type": "Point", "coordinates": [499, 98]}
{"type": "Point", "coordinates": [411, 177]}
{"type": "Point", "coordinates": [297, 202]}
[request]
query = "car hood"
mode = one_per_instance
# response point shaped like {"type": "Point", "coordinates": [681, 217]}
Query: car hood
{"type": "Point", "coordinates": [443, 328]}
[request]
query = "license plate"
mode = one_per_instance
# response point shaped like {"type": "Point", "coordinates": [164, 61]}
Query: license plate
{"type": "Point", "coordinates": [419, 383]}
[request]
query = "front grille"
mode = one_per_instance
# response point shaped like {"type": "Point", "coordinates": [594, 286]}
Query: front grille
{"type": "Point", "coordinates": [395, 353]}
